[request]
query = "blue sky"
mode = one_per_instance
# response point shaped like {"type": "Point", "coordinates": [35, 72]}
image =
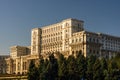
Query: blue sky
{"type": "Point", "coordinates": [18, 17]}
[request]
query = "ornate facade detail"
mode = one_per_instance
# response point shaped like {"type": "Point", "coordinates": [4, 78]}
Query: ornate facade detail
{"type": "Point", "coordinates": [67, 37]}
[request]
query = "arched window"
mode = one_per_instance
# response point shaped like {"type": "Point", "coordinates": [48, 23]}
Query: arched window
{"type": "Point", "coordinates": [76, 40]}
{"type": "Point", "coordinates": [72, 52]}
{"type": "Point", "coordinates": [76, 52]}
{"type": "Point", "coordinates": [73, 41]}
{"type": "Point", "coordinates": [80, 39]}
{"type": "Point", "coordinates": [90, 51]}
{"type": "Point", "coordinates": [97, 41]}
{"type": "Point", "coordinates": [90, 39]}
{"type": "Point", "coordinates": [93, 39]}
{"type": "Point", "coordinates": [80, 52]}
{"type": "Point", "coordinates": [67, 24]}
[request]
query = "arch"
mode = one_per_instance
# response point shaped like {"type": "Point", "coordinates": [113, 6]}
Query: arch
{"type": "Point", "coordinates": [72, 52]}
{"type": "Point", "coordinates": [80, 51]}
{"type": "Point", "coordinates": [77, 52]}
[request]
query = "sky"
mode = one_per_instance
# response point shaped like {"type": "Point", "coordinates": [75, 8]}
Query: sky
{"type": "Point", "coordinates": [18, 17]}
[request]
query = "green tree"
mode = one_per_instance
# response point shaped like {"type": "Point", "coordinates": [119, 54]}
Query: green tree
{"type": "Point", "coordinates": [81, 66]}
{"type": "Point", "coordinates": [71, 68]}
{"type": "Point", "coordinates": [52, 68]}
{"type": "Point", "coordinates": [117, 60]}
{"type": "Point", "coordinates": [97, 72]}
{"type": "Point", "coordinates": [104, 68]}
{"type": "Point", "coordinates": [90, 63]}
{"type": "Point", "coordinates": [42, 69]}
{"type": "Point", "coordinates": [45, 70]}
{"type": "Point", "coordinates": [104, 64]}
{"type": "Point", "coordinates": [113, 71]}
{"type": "Point", "coordinates": [62, 70]}
{"type": "Point", "coordinates": [33, 73]}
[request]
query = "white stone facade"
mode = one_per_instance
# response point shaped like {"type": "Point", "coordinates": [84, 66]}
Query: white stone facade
{"type": "Point", "coordinates": [67, 37]}
{"type": "Point", "coordinates": [54, 37]}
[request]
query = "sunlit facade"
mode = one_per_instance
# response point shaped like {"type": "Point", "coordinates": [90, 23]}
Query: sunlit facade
{"type": "Point", "coordinates": [67, 37]}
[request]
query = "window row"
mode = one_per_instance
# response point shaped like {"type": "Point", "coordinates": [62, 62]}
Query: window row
{"type": "Point", "coordinates": [51, 51]}
{"type": "Point", "coordinates": [45, 48]}
{"type": "Point", "coordinates": [111, 48]}
{"type": "Point", "coordinates": [52, 35]}
{"type": "Point", "coordinates": [110, 39]}
{"type": "Point", "coordinates": [76, 40]}
{"type": "Point", "coordinates": [111, 42]}
{"type": "Point", "coordinates": [96, 40]}
{"type": "Point", "coordinates": [52, 29]}
{"type": "Point", "coordinates": [52, 39]}
{"type": "Point", "coordinates": [92, 51]}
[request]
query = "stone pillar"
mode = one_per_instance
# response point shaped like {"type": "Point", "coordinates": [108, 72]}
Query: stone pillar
{"type": "Point", "coordinates": [21, 65]}
{"type": "Point", "coordinates": [16, 66]}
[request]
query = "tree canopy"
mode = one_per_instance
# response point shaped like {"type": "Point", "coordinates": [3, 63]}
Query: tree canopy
{"type": "Point", "coordinates": [75, 68]}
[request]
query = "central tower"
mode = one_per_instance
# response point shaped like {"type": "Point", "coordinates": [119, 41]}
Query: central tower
{"type": "Point", "coordinates": [55, 37]}
{"type": "Point", "coordinates": [36, 41]}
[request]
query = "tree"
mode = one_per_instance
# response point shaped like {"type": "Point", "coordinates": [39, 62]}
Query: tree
{"type": "Point", "coordinates": [113, 70]}
{"type": "Point", "coordinates": [90, 63]}
{"type": "Point", "coordinates": [71, 68]}
{"type": "Point", "coordinates": [52, 68]}
{"type": "Point", "coordinates": [97, 75]}
{"type": "Point", "coordinates": [80, 66]}
{"type": "Point", "coordinates": [33, 71]}
{"type": "Point", "coordinates": [104, 68]}
{"type": "Point", "coordinates": [42, 69]}
{"type": "Point", "coordinates": [62, 70]}
{"type": "Point", "coordinates": [117, 60]}
{"type": "Point", "coordinates": [75, 68]}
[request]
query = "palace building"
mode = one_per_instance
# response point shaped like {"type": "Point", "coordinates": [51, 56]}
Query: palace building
{"type": "Point", "coordinates": [67, 37]}
{"type": "Point", "coordinates": [3, 64]}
